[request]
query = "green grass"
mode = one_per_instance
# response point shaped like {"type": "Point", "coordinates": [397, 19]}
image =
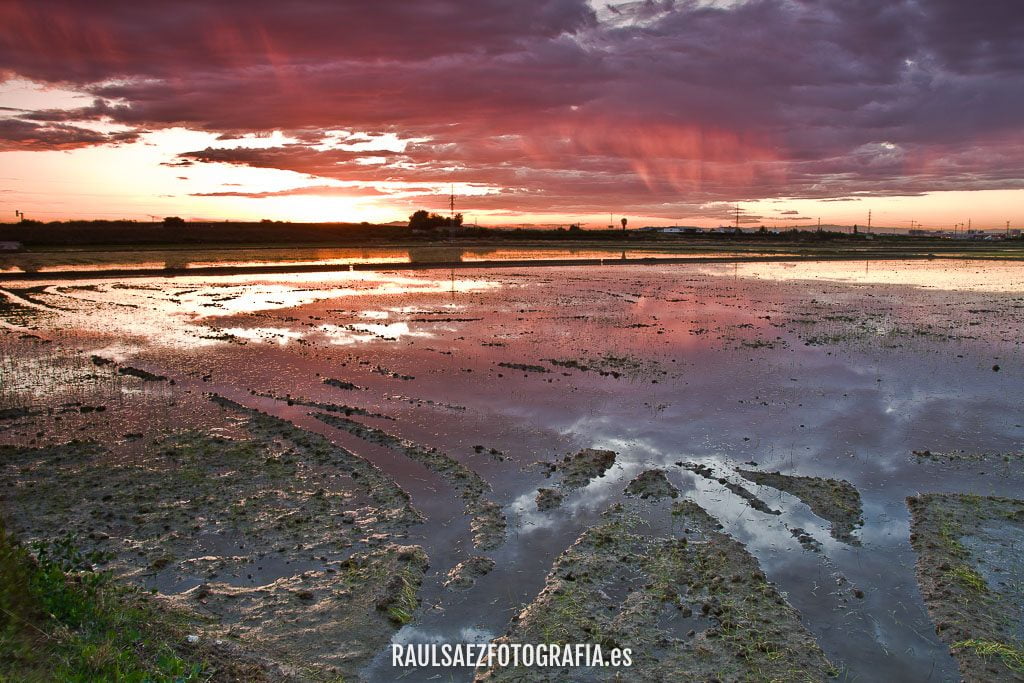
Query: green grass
{"type": "Point", "coordinates": [62, 620]}
{"type": "Point", "coordinates": [969, 578]}
{"type": "Point", "coordinates": [1012, 657]}
{"type": "Point", "coordinates": [950, 533]}
{"type": "Point", "coordinates": [405, 603]}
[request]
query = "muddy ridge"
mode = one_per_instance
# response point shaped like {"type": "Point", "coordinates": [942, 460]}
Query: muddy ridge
{"type": "Point", "coordinates": [691, 607]}
{"type": "Point", "coordinates": [972, 579]}
{"type": "Point", "coordinates": [834, 500]}
{"type": "Point", "coordinates": [752, 500]}
{"type": "Point", "coordinates": [968, 456]}
{"type": "Point", "coordinates": [326, 407]}
{"type": "Point", "coordinates": [365, 474]}
{"type": "Point", "coordinates": [488, 521]}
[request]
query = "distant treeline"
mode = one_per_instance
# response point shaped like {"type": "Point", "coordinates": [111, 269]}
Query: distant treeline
{"type": "Point", "coordinates": [177, 231]}
{"type": "Point", "coordinates": [78, 233]}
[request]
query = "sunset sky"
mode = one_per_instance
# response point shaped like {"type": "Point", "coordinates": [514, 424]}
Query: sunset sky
{"type": "Point", "coordinates": [537, 111]}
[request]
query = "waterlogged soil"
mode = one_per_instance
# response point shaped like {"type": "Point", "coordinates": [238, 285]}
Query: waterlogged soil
{"type": "Point", "coordinates": [272, 535]}
{"type": "Point", "coordinates": [652, 484]}
{"type": "Point", "coordinates": [488, 521]}
{"type": "Point", "coordinates": [333, 462]}
{"type": "Point", "coordinates": [972, 577]}
{"type": "Point", "coordinates": [691, 605]}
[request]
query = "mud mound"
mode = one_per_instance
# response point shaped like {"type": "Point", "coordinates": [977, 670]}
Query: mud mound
{"type": "Point", "coordinates": [691, 608]}
{"type": "Point", "coordinates": [464, 574]}
{"type": "Point", "coordinates": [363, 473]}
{"type": "Point", "coordinates": [580, 469]}
{"type": "Point", "coordinates": [958, 457]}
{"type": "Point", "coordinates": [576, 471]}
{"type": "Point", "coordinates": [972, 579]}
{"type": "Point", "coordinates": [834, 500]}
{"type": "Point", "coordinates": [652, 484]}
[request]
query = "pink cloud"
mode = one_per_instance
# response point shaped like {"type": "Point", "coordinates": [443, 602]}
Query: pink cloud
{"type": "Point", "coordinates": [655, 107]}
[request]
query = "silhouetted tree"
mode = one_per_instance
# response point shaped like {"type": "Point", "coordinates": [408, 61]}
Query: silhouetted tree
{"type": "Point", "coordinates": [422, 220]}
{"type": "Point", "coordinates": [174, 220]}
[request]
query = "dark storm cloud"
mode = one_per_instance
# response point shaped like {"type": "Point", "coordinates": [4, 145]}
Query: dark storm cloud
{"type": "Point", "coordinates": [17, 134]}
{"type": "Point", "coordinates": [660, 105]}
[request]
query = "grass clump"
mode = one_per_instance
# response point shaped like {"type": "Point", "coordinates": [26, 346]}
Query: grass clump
{"type": "Point", "coordinates": [62, 620]}
{"type": "Point", "coordinates": [969, 578]}
{"type": "Point", "coordinates": [1012, 657]}
{"type": "Point", "coordinates": [405, 602]}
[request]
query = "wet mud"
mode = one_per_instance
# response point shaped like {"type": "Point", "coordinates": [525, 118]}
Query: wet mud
{"type": "Point", "coordinates": [579, 469]}
{"type": "Point", "coordinates": [693, 605]}
{"type": "Point", "coordinates": [464, 574]}
{"type": "Point", "coordinates": [488, 520]}
{"type": "Point", "coordinates": [279, 540]}
{"type": "Point", "coordinates": [972, 578]}
{"type": "Point", "coordinates": [652, 484]}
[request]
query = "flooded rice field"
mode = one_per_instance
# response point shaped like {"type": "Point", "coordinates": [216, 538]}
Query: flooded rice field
{"type": "Point", "coordinates": [69, 260]}
{"type": "Point", "coordinates": [710, 464]}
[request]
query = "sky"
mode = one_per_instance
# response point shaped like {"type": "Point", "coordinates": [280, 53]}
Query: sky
{"type": "Point", "coordinates": [531, 112]}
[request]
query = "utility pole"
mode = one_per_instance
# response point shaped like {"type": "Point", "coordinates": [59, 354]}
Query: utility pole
{"type": "Point", "coordinates": [1007, 228]}
{"type": "Point", "coordinates": [451, 204]}
{"type": "Point", "coordinates": [869, 220]}
{"type": "Point", "coordinates": [819, 223]}
{"type": "Point", "coordinates": [737, 216]}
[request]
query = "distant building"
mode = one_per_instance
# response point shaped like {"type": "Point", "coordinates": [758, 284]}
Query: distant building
{"type": "Point", "coordinates": [674, 229]}
{"type": "Point", "coordinates": [10, 246]}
